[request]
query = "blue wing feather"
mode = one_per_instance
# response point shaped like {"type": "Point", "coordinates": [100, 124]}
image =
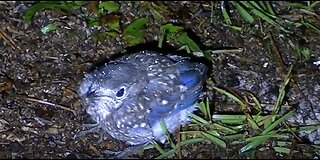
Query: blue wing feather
{"type": "Point", "coordinates": [190, 77]}
{"type": "Point", "coordinates": [192, 80]}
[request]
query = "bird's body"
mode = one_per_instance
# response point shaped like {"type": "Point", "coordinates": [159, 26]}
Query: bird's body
{"type": "Point", "coordinates": [129, 96]}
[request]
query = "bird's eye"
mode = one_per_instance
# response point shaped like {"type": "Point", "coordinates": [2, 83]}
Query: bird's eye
{"type": "Point", "coordinates": [120, 93]}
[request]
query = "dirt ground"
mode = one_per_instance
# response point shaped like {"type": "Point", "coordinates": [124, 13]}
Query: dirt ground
{"type": "Point", "coordinates": [40, 111]}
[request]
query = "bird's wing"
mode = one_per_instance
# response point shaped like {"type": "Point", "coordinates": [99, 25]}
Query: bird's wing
{"type": "Point", "coordinates": [176, 94]}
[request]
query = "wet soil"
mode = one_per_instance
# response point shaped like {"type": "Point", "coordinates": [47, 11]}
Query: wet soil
{"type": "Point", "coordinates": [40, 111]}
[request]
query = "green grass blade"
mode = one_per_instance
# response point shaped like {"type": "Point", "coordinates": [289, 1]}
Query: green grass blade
{"type": "Point", "coordinates": [233, 27]}
{"type": "Point", "coordinates": [316, 146]}
{"type": "Point", "coordinates": [264, 16]}
{"type": "Point", "coordinates": [208, 109]}
{"type": "Point", "coordinates": [257, 140]}
{"type": "Point", "coordinates": [166, 154]}
{"type": "Point", "coordinates": [282, 150]}
{"type": "Point", "coordinates": [246, 15]}
{"type": "Point", "coordinates": [199, 119]}
{"type": "Point", "coordinates": [230, 96]}
{"type": "Point", "coordinates": [195, 133]}
{"type": "Point", "coordinates": [314, 4]}
{"type": "Point", "coordinates": [282, 92]}
{"type": "Point", "coordinates": [269, 7]}
{"type": "Point", "coordinates": [253, 5]}
{"type": "Point", "coordinates": [158, 147]}
{"type": "Point", "coordinates": [235, 137]}
{"type": "Point", "coordinates": [253, 124]}
{"type": "Point", "coordinates": [215, 140]}
{"type": "Point", "coordinates": [277, 122]}
{"type": "Point", "coordinates": [252, 145]}
{"type": "Point", "coordinates": [225, 14]}
{"type": "Point", "coordinates": [310, 26]}
{"type": "Point", "coordinates": [266, 136]}
{"type": "Point", "coordinates": [257, 105]}
{"type": "Point", "coordinates": [220, 117]}
{"type": "Point", "coordinates": [42, 5]}
{"type": "Point", "coordinates": [166, 133]}
{"type": "Point", "coordinates": [202, 108]}
{"type": "Point", "coordinates": [267, 133]}
{"type": "Point", "coordinates": [261, 3]}
{"type": "Point", "coordinates": [301, 128]}
{"type": "Point", "coordinates": [224, 129]}
{"type": "Point", "coordinates": [183, 143]}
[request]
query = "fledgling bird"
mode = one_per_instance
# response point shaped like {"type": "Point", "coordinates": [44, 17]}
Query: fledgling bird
{"type": "Point", "coordinates": [130, 96]}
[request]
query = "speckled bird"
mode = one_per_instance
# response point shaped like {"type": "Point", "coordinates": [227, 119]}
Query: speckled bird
{"type": "Point", "coordinates": [130, 96]}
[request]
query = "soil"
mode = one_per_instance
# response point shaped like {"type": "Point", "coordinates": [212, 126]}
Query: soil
{"type": "Point", "coordinates": [40, 73]}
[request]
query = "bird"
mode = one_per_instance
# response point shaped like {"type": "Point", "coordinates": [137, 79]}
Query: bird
{"type": "Point", "coordinates": [130, 96]}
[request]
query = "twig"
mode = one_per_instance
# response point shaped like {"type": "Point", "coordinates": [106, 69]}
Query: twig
{"type": "Point", "coordinates": [94, 149]}
{"type": "Point", "coordinates": [5, 37]}
{"type": "Point", "coordinates": [51, 104]}
{"type": "Point", "coordinates": [227, 51]}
